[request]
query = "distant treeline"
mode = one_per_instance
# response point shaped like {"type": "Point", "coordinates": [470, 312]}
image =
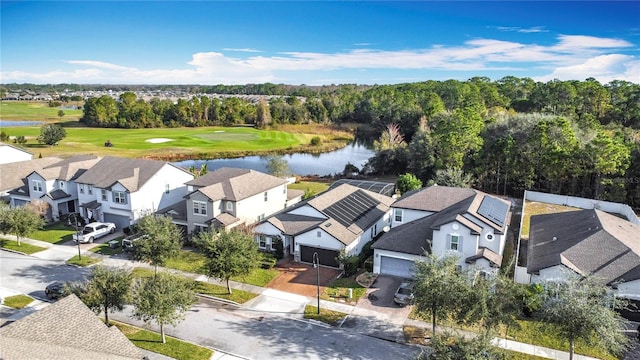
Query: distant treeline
{"type": "Point", "coordinates": [570, 137]}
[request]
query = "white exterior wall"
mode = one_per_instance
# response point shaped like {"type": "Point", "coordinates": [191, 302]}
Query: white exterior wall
{"type": "Point", "coordinates": [250, 208]}
{"type": "Point", "coordinates": [469, 242]}
{"type": "Point", "coordinates": [325, 241]}
{"type": "Point", "coordinates": [378, 253]}
{"type": "Point", "coordinates": [84, 198]}
{"type": "Point", "coordinates": [9, 154]}
{"type": "Point", "coordinates": [496, 245]}
{"type": "Point", "coordinates": [111, 207]}
{"type": "Point", "coordinates": [355, 248]}
{"type": "Point", "coordinates": [152, 195]}
{"type": "Point", "coordinates": [629, 290]}
{"type": "Point", "coordinates": [408, 216]}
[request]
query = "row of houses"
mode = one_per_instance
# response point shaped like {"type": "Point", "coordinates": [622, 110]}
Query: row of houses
{"type": "Point", "coordinates": [466, 223]}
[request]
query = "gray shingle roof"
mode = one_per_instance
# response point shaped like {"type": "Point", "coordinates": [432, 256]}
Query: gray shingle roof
{"type": "Point", "coordinates": [590, 242]}
{"type": "Point", "coordinates": [292, 224]}
{"type": "Point", "coordinates": [177, 211]}
{"type": "Point", "coordinates": [235, 184]}
{"type": "Point", "coordinates": [433, 198]}
{"type": "Point", "coordinates": [13, 174]}
{"type": "Point", "coordinates": [131, 173]}
{"type": "Point", "coordinates": [66, 329]}
{"type": "Point", "coordinates": [411, 238]}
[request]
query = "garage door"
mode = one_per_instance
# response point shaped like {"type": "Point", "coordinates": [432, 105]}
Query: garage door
{"type": "Point", "coordinates": [396, 267]}
{"type": "Point", "coordinates": [120, 221]}
{"type": "Point", "coordinates": [326, 257]}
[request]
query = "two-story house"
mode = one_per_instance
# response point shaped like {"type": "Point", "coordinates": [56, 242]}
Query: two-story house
{"type": "Point", "coordinates": [13, 174]}
{"type": "Point", "coordinates": [121, 190]}
{"type": "Point", "coordinates": [229, 197]}
{"type": "Point", "coordinates": [343, 218]}
{"type": "Point", "coordinates": [54, 184]}
{"type": "Point", "coordinates": [443, 220]}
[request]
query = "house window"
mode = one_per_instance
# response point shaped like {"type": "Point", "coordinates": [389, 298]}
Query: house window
{"type": "Point", "coordinates": [90, 189]}
{"type": "Point", "coordinates": [81, 189]}
{"type": "Point", "coordinates": [200, 208]}
{"type": "Point", "coordinates": [398, 215]}
{"type": "Point", "coordinates": [374, 231]}
{"type": "Point", "coordinates": [262, 242]}
{"type": "Point", "coordinates": [166, 189]}
{"type": "Point", "coordinates": [454, 243]}
{"type": "Point", "coordinates": [319, 233]}
{"type": "Point", "coordinates": [103, 192]}
{"type": "Point", "coordinates": [37, 185]}
{"type": "Point", "coordinates": [229, 206]}
{"type": "Point", "coordinates": [260, 217]}
{"type": "Point", "coordinates": [119, 197]}
{"type": "Point", "coordinates": [266, 196]}
{"type": "Point", "coordinates": [199, 228]}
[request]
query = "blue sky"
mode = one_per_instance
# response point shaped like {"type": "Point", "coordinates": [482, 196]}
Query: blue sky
{"type": "Point", "coordinates": [315, 43]}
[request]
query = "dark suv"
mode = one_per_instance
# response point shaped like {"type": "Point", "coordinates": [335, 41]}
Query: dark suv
{"type": "Point", "coordinates": [55, 290]}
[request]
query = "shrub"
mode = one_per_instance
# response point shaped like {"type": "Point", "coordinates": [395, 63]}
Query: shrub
{"type": "Point", "coordinates": [350, 264]}
{"type": "Point", "coordinates": [278, 248]}
{"type": "Point", "coordinates": [268, 261]}
{"type": "Point", "coordinates": [316, 140]}
{"type": "Point", "coordinates": [368, 264]}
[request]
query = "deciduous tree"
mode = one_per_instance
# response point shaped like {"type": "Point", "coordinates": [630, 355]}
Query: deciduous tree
{"type": "Point", "coordinates": [408, 182]}
{"type": "Point", "coordinates": [20, 221]}
{"type": "Point", "coordinates": [161, 240]}
{"type": "Point", "coordinates": [106, 289]}
{"type": "Point", "coordinates": [51, 134]}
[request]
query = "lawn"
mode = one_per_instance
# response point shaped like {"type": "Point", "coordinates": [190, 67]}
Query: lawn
{"type": "Point", "coordinates": [104, 249]}
{"type": "Point", "coordinates": [17, 301]}
{"type": "Point", "coordinates": [314, 187]}
{"type": "Point", "coordinates": [23, 248]}
{"type": "Point", "coordinates": [40, 111]}
{"type": "Point", "coordinates": [152, 341]}
{"type": "Point", "coordinates": [326, 316]}
{"type": "Point", "coordinates": [537, 208]}
{"type": "Point", "coordinates": [85, 261]}
{"type": "Point", "coordinates": [339, 291]}
{"type": "Point", "coordinates": [56, 233]}
{"type": "Point", "coordinates": [183, 143]}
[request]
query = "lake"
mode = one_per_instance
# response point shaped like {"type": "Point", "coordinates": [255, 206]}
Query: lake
{"type": "Point", "coordinates": [328, 163]}
{"type": "Point", "coordinates": [9, 123]}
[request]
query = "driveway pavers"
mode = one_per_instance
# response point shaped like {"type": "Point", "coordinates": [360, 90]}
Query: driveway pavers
{"type": "Point", "coordinates": [301, 279]}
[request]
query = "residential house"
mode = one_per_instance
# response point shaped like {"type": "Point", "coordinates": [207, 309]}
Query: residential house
{"type": "Point", "coordinates": [229, 197]}
{"type": "Point", "coordinates": [121, 190]}
{"type": "Point", "coordinates": [443, 220]}
{"type": "Point", "coordinates": [13, 174]}
{"type": "Point", "coordinates": [54, 185]}
{"type": "Point", "coordinates": [67, 330]}
{"type": "Point", "coordinates": [585, 243]}
{"type": "Point", "coordinates": [344, 218]}
{"type": "Point", "coordinates": [10, 153]}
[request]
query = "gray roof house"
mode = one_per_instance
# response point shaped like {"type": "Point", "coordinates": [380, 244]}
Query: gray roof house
{"type": "Point", "coordinates": [54, 184]}
{"type": "Point", "coordinates": [13, 174]}
{"type": "Point", "coordinates": [586, 243]}
{"type": "Point", "coordinates": [121, 190]}
{"type": "Point", "coordinates": [229, 197]}
{"type": "Point", "coordinates": [443, 220]}
{"type": "Point", "coordinates": [64, 330]}
{"type": "Point", "coordinates": [343, 218]}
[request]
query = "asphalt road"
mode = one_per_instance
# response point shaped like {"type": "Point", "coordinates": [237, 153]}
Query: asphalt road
{"type": "Point", "coordinates": [246, 333]}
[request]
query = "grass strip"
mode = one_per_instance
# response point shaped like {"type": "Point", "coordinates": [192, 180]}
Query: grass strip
{"type": "Point", "coordinates": [152, 341]}
{"type": "Point", "coordinates": [327, 316]}
{"type": "Point", "coordinates": [23, 247]}
{"type": "Point", "coordinates": [85, 261]}
{"type": "Point", "coordinates": [17, 301]}
{"type": "Point", "coordinates": [339, 290]}
{"type": "Point", "coordinates": [55, 233]}
{"type": "Point", "coordinates": [105, 249]}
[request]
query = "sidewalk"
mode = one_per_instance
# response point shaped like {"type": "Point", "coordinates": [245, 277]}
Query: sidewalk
{"type": "Point", "coordinates": [288, 304]}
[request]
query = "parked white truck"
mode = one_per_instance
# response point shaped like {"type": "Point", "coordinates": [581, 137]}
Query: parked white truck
{"type": "Point", "coordinates": [93, 231]}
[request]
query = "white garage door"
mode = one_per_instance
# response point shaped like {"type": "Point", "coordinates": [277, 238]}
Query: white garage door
{"type": "Point", "coordinates": [396, 267]}
{"type": "Point", "coordinates": [120, 221]}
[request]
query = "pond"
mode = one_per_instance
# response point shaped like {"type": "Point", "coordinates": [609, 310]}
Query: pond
{"type": "Point", "coordinates": [328, 163]}
{"type": "Point", "coordinates": [9, 123]}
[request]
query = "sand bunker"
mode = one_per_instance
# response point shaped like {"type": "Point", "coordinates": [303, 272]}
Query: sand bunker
{"type": "Point", "coordinates": [158, 140]}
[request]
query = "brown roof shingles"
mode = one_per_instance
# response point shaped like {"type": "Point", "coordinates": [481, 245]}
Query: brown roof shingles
{"type": "Point", "coordinates": [235, 184]}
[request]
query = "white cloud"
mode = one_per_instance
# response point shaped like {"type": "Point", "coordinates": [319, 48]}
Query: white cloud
{"type": "Point", "coordinates": [242, 50]}
{"type": "Point", "coordinates": [571, 57]}
{"type": "Point", "coordinates": [534, 29]}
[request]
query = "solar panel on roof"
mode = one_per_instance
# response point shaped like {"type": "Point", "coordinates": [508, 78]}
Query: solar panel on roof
{"type": "Point", "coordinates": [373, 186]}
{"type": "Point", "coordinates": [351, 208]}
{"type": "Point", "coordinates": [494, 210]}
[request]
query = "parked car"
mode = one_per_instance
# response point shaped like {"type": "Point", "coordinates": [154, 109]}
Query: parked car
{"type": "Point", "coordinates": [93, 231]}
{"type": "Point", "coordinates": [404, 293]}
{"type": "Point", "coordinates": [55, 290]}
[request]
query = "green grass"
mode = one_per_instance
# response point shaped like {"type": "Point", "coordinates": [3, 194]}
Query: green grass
{"type": "Point", "coordinates": [85, 261]}
{"type": "Point", "coordinates": [203, 142]}
{"type": "Point", "coordinates": [258, 277]}
{"type": "Point", "coordinates": [339, 290]}
{"type": "Point", "coordinates": [17, 301]}
{"type": "Point", "coordinates": [23, 248]}
{"type": "Point", "coordinates": [40, 111]}
{"type": "Point", "coordinates": [326, 316]}
{"type": "Point", "coordinates": [200, 287]}
{"type": "Point", "coordinates": [56, 233]}
{"type": "Point", "coordinates": [174, 348]}
{"type": "Point", "coordinates": [104, 249]}
{"type": "Point", "coordinates": [314, 186]}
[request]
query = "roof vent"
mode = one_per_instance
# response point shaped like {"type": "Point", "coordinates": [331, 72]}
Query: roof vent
{"type": "Point", "coordinates": [554, 238]}
{"type": "Point", "coordinates": [327, 225]}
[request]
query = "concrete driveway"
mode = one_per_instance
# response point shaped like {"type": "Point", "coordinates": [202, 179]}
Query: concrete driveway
{"type": "Point", "coordinates": [376, 314]}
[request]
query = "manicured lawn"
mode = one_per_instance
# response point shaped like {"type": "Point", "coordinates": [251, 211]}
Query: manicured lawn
{"type": "Point", "coordinates": [200, 287]}
{"type": "Point", "coordinates": [536, 208]}
{"type": "Point", "coordinates": [152, 341]}
{"type": "Point", "coordinates": [85, 261]}
{"type": "Point", "coordinates": [339, 291]}
{"type": "Point", "coordinates": [55, 233]}
{"type": "Point", "coordinates": [23, 248]}
{"type": "Point", "coordinates": [184, 143]}
{"type": "Point", "coordinates": [326, 316]}
{"type": "Point", "coordinates": [20, 110]}
{"type": "Point", "coordinates": [315, 187]}
{"type": "Point", "coordinates": [17, 301]}
{"type": "Point", "coordinates": [104, 249]}
{"type": "Point", "coordinates": [258, 277]}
